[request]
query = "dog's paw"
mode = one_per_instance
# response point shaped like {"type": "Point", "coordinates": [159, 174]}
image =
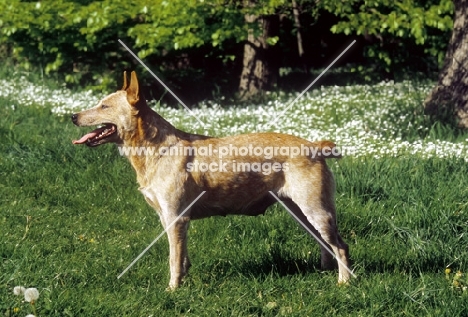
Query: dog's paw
{"type": "Point", "coordinates": [170, 288]}
{"type": "Point", "coordinates": [343, 282]}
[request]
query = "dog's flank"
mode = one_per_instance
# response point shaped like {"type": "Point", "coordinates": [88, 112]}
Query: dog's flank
{"type": "Point", "coordinates": [306, 186]}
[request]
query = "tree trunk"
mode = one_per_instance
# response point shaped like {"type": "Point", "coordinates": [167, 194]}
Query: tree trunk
{"type": "Point", "coordinates": [449, 99]}
{"type": "Point", "coordinates": [260, 66]}
{"type": "Point", "coordinates": [297, 24]}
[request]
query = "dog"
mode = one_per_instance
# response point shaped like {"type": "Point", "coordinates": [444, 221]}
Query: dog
{"type": "Point", "coordinates": [238, 174]}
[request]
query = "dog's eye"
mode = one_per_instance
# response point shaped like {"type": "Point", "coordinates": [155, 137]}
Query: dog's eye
{"type": "Point", "coordinates": [104, 106]}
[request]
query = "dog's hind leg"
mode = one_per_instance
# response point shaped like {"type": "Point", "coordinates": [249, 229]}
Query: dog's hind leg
{"type": "Point", "coordinates": [317, 202]}
{"type": "Point", "coordinates": [324, 221]}
{"type": "Point", "coordinates": [327, 261]}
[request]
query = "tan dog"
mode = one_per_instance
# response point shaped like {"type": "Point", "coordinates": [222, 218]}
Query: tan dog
{"type": "Point", "coordinates": [237, 172]}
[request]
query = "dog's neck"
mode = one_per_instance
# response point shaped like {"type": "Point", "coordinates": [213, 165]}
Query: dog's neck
{"type": "Point", "coordinates": [153, 132]}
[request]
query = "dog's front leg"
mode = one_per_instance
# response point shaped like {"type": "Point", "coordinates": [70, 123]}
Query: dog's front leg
{"type": "Point", "coordinates": [179, 262]}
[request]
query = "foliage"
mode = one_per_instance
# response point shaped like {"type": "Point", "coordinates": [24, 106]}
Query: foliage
{"type": "Point", "coordinates": [78, 38]}
{"type": "Point", "coordinates": [398, 27]}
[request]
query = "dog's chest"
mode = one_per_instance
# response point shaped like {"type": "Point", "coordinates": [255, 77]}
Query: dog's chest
{"type": "Point", "coordinates": [150, 196]}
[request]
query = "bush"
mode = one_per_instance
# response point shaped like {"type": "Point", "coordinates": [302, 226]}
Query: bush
{"type": "Point", "coordinates": [199, 39]}
{"type": "Point", "coordinates": [77, 38]}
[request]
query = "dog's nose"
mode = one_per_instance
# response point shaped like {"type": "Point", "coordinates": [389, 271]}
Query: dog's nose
{"type": "Point", "coordinates": [74, 118]}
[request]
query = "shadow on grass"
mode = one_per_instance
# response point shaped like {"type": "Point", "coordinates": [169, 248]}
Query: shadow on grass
{"type": "Point", "coordinates": [275, 263]}
{"type": "Point", "coordinates": [364, 261]}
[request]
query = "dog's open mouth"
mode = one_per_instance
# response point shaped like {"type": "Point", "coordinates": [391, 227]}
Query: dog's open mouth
{"type": "Point", "coordinates": [98, 136]}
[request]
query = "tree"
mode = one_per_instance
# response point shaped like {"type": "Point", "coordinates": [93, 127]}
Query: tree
{"type": "Point", "coordinates": [78, 38]}
{"type": "Point", "coordinates": [260, 66]}
{"type": "Point", "coordinates": [449, 98]}
{"type": "Point", "coordinates": [297, 24]}
{"type": "Point", "coordinates": [253, 23]}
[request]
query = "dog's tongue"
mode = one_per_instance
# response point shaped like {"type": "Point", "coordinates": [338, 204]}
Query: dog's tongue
{"type": "Point", "coordinates": [88, 136]}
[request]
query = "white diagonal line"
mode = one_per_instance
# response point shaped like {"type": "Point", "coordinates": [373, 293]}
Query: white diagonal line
{"type": "Point", "coordinates": [161, 82]}
{"type": "Point", "coordinates": [161, 234]}
{"type": "Point", "coordinates": [311, 84]}
{"type": "Point", "coordinates": [313, 235]}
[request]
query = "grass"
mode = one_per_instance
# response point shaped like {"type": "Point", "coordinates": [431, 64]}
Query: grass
{"type": "Point", "coordinates": [72, 217]}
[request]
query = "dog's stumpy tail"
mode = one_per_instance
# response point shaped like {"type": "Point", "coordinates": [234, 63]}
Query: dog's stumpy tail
{"type": "Point", "coordinates": [328, 149]}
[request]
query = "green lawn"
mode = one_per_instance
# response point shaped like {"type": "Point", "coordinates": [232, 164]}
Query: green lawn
{"type": "Point", "coordinates": [72, 218]}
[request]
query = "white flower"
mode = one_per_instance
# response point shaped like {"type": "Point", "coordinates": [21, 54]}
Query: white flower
{"type": "Point", "coordinates": [30, 315]}
{"type": "Point", "coordinates": [18, 290]}
{"type": "Point", "coordinates": [31, 294]}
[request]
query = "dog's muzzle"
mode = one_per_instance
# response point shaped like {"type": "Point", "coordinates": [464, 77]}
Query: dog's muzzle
{"type": "Point", "coordinates": [107, 132]}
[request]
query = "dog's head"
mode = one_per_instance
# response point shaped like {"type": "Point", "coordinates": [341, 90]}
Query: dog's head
{"type": "Point", "coordinates": [114, 115]}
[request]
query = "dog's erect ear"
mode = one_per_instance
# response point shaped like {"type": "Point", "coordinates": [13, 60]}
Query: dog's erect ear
{"type": "Point", "coordinates": [132, 90]}
{"type": "Point", "coordinates": [125, 81]}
